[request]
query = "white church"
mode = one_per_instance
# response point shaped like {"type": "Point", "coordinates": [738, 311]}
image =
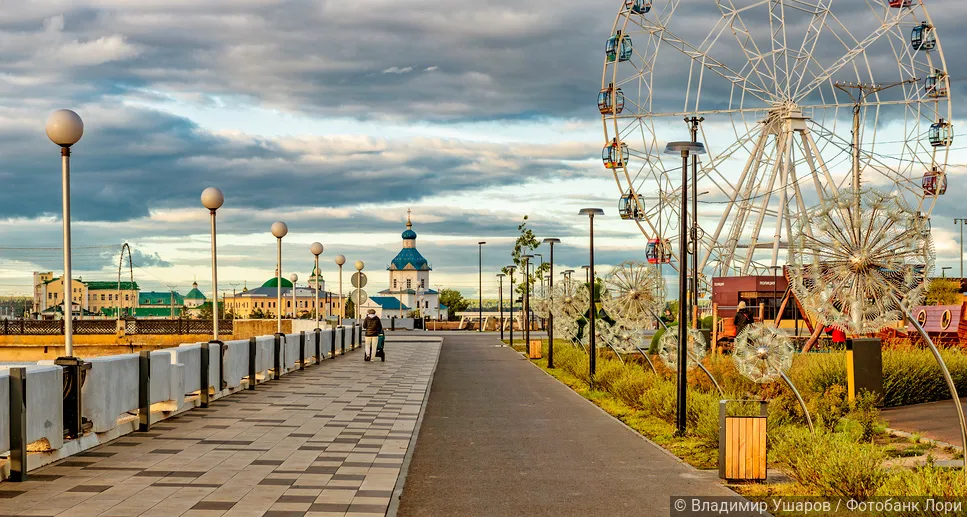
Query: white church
{"type": "Point", "coordinates": [409, 284]}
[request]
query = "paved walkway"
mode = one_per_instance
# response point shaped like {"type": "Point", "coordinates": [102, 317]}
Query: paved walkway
{"type": "Point", "coordinates": [499, 437]}
{"type": "Point", "coordinates": [934, 420]}
{"type": "Point", "coordinates": [328, 441]}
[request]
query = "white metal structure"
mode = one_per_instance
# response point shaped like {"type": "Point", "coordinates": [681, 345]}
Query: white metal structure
{"type": "Point", "coordinates": [782, 90]}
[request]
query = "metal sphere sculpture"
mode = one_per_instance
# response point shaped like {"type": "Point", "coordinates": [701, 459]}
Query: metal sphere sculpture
{"type": "Point", "coordinates": [668, 347]}
{"type": "Point", "coordinates": [762, 354]}
{"type": "Point", "coordinates": [632, 294]}
{"type": "Point", "coordinates": [859, 261]}
{"type": "Point", "coordinates": [569, 301]}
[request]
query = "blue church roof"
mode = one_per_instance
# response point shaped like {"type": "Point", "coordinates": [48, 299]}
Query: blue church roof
{"type": "Point", "coordinates": [388, 303]}
{"type": "Point", "coordinates": [407, 257]}
{"type": "Point", "coordinates": [409, 234]}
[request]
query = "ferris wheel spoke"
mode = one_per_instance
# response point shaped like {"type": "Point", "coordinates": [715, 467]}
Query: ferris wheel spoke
{"type": "Point", "coordinates": [743, 37]}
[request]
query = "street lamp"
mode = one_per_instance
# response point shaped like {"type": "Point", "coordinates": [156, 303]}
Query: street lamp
{"type": "Point", "coordinates": [527, 302]}
{"type": "Point", "coordinates": [316, 249]}
{"type": "Point", "coordinates": [294, 278]}
{"type": "Point", "coordinates": [591, 212]}
{"type": "Point", "coordinates": [587, 274]}
{"type": "Point", "coordinates": [510, 271]}
{"type": "Point", "coordinates": [65, 128]}
{"type": "Point", "coordinates": [500, 303]}
{"type": "Point", "coordinates": [550, 315]}
{"type": "Point", "coordinates": [419, 305]}
{"type": "Point", "coordinates": [359, 290]}
{"type": "Point", "coordinates": [212, 199]}
{"type": "Point", "coordinates": [567, 273]}
{"type": "Point", "coordinates": [480, 286]}
{"type": "Point", "coordinates": [685, 150]}
{"type": "Point", "coordinates": [960, 248]}
{"type": "Point", "coordinates": [340, 260]}
{"type": "Point", "coordinates": [943, 271]}
{"type": "Point", "coordinates": [279, 230]}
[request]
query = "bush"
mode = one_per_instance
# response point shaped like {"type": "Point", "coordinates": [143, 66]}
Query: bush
{"type": "Point", "coordinates": [828, 409]}
{"type": "Point", "coordinates": [914, 377]}
{"type": "Point", "coordinates": [831, 463]}
{"type": "Point", "coordinates": [925, 481]}
{"type": "Point", "coordinates": [606, 373]}
{"type": "Point", "coordinates": [632, 385]}
{"type": "Point", "coordinates": [653, 347]}
{"type": "Point", "coordinates": [864, 413]}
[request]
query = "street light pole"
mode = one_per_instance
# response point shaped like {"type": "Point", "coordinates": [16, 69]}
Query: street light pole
{"type": "Point", "coordinates": [316, 249]}
{"type": "Point", "coordinates": [527, 302]}
{"type": "Point", "coordinates": [279, 230]}
{"type": "Point", "coordinates": [500, 303]}
{"type": "Point", "coordinates": [694, 123]}
{"type": "Point", "coordinates": [340, 260]}
{"type": "Point", "coordinates": [480, 286]}
{"type": "Point", "coordinates": [294, 278]}
{"type": "Point", "coordinates": [510, 271]}
{"type": "Point", "coordinates": [359, 290]}
{"type": "Point", "coordinates": [65, 128]}
{"type": "Point", "coordinates": [550, 313]}
{"type": "Point", "coordinates": [212, 198]}
{"type": "Point", "coordinates": [591, 212]}
{"type": "Point", "coordinates": [960, 248]}
{"type": "Point", "coordinates": [684, 149]}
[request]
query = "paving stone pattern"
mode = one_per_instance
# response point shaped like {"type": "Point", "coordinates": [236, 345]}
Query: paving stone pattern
{"type": "Point", "coordinates": [326, 441]}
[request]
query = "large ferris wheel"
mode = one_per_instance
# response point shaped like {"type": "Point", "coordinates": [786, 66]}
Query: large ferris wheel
{"type": "Point", "coordinates": [795, 100]}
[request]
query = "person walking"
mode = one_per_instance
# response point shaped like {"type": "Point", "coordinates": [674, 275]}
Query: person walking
{"type": "Point", "coordinates": [742, 318]}
{"type": "Point", "coordinates": [373, 327]}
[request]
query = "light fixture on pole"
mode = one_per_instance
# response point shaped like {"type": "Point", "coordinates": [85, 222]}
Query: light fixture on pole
{"type": "Point", "coordinates": [685, 150]}
{"type": "Point", "coordinates": [550, 316]}
{"type": "Point", "coordinates": [567, 273]}
{"type": "Point", "coordinates": [279, 230]}
{"type": "Point", "coordinates": [591, 212]}
{"type": "Point", "coordinates": [960, 248]}
{"type": "Point", "coordinates": [527, 299]}
{"type": "Point", "coordinates": [500, 302]}
{"type": "Point", "coordinates": [587, 274]}
{"type": "Point", "coordinates": [316, 249]}
{"type": "Point", "coordinates": [480, 285]}
{"type": "Point", "coordinates": [359, 290]}
{"type": "Point", "coordinates": [295, 313]}
{"type": "Point", "coordinates": [510, 271]}
{"type": "Point", "coordinates": [212, 199]}
{"type": "Point", "coordinates": [943, 271]}
{"type": "Point", "coordinates": [65, 128]}
{"type": "Point", "coordinates": [340, 260]}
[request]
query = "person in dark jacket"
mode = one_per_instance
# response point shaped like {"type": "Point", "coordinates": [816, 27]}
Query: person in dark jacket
{"type": "Point", "coordinates": [742, 318]}
{"type": "Point", "coordinates": [373, 327]}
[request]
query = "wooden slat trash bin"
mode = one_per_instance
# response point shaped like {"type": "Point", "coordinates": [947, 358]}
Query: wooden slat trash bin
{"type": "Point", "coordinates": [534, 349]}
{"type": "Point", "coordinates": [742, 443]}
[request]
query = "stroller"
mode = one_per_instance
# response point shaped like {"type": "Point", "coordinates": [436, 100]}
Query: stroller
{"type": "Point", "coordinates": [379, 347]}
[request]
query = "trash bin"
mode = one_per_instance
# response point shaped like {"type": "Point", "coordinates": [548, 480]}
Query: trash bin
{"type": "Point", "coordinates": [534, 349]}
{"type": "Point", "coordinates": [742, 443]}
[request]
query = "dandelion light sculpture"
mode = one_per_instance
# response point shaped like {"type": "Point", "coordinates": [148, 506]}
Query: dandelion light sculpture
{"type": "Point", "coordinates": [632, 297]}
{"type": "Point", "coordinates": [861, 262]}
{"type": "Point", "coordinates": [569, 302]}
{"type": "Point", "coordinates": [668, 351]}
{"type": "Point", "coordinates": [762, 354]}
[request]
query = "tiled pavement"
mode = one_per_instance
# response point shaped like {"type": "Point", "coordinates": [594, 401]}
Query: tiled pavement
{"type": "Point", "coordinates": [329, 440]}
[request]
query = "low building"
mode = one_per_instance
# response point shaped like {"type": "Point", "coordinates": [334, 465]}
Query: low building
{"type": "Point", "coordinates": [385, 307]}
{"type": "Point", "coordinates": [87, 297]}
{"type": "Point", "coordinates": [262, 302]}
{"type": "Point", "coordinates": [160, 304]}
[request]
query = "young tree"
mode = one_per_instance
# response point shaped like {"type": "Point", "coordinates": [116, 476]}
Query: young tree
{"type": "Point", "coordinates": [525, 244]}
{"type": "Point", "coordinates": [350, 311]}
{"type": "Point", "coordinates": [454, 301]}
{"type": "Point", "coordinates": [943, 291]}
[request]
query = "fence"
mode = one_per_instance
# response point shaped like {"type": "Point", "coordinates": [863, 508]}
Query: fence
{"type": "Point", "coordinates": [131, 326]}
{"type": "Point", "coordinates": [121, 394]}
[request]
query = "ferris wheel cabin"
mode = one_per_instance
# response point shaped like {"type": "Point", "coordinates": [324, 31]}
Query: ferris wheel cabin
{"type": "Point", "coordinates": [632, 207]}
{"type": "Point", "coordinates": [900, 3]}
{"type": "Point", "coordinates": [641, 6]}
{"type": "Point", "coordinates": [941, 134]}
{"type": "Point", "coordinates": [615, 156]}
{"type": "Point", "coordinates": [619, 47]}
{"type": "Point", "coordinates": [611, 100]}
{"type": "Point", "coordinates": [659, 251]}
{"type": "Point", "coordinates": [934, 182]}
{"type": "Point", "coordinates": [923, 38]}
{"type": "Point", "coordinates": [935, 84]}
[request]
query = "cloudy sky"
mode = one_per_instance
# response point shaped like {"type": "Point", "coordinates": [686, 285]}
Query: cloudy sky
{"type": "Point", "coordinates": [333, 116]}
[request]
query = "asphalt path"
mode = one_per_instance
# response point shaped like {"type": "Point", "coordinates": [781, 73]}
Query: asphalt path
{"type": "Point", "coordinates": [934, 420]}
{"type": "Point", "coordinates": [500, 437]}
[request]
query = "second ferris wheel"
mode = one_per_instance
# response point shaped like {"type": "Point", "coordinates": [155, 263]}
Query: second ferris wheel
{"type": "Point", "coordinates": [794, 100]}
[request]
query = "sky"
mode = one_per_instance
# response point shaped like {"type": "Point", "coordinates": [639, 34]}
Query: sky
{"type": "Point", "coordinates": [335, 117]}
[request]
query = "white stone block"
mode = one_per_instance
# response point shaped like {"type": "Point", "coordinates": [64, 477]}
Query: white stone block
{"type": "Point", "coordinates": [236, 362]}
{"type": "Point", "coordinates": [111, 389]}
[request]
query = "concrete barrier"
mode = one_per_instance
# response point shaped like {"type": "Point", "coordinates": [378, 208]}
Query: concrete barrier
{"type": "Point", "coordinates": [4, 410]}
{"type": "Point", "coordinates": [264, 350]}
{"type": "Point", "coordinates": [236, 362]}
{"type": "Point", "coordinates": [290, 352]}
{"type": "Point", "coordinates": [45, 403]}
{"type": "Point", "coordinates": [111, 389]}
{"type": "Point", "coordinates": [167, 381]}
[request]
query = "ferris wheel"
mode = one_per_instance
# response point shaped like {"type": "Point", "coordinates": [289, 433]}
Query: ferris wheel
{"type": "Point", "coordinates": [794, 100]}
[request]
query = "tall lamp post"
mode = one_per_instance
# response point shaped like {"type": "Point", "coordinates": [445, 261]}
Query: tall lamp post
{"type": "Point", "coordinates": [510, 271]}
{"type": "Point", "coordinates": [500, 303]}
{"type": "Point", "coordinates": [340, 260]}
{"type": "Point", "coordinates": [960, 248]}
{"type": "Point", "coordinates": [480, 284]}
{"type": "Point", "coordinates": [279, 230]}
{"type": "Point", "coordinates": [316, 249]}
{"type": "Point", "coordinates": [527, 300]}
{"type": "Point", "coordinates": [550, 314]}
{"type": "Point", "coordinates": [685, 150]}
{"type": "Point", "coordinates": [65, 128]}
{"type": "Point", "coordinates": [294, 278]}
{"type": "Point", "coordinates": [359, 290]}
{"type": "Point", "coordinates": [943, 271]}
{"type": "Point", "coordinates": [212, 199]}
{"type": "Point", "coordinates": [591, 212]}
{"type": "Point", "coordinates": [567, 273]}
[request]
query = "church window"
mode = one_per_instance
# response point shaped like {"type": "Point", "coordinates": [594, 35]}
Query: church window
{"type": "Point", "coordinates": [422, 283]}
{"type": "Point", "coordinates": [409, 283]}
{"type": "Point", "coordinates": [394, 283]}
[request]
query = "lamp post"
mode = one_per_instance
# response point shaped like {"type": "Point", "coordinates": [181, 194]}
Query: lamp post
{"type": "Point", "coordinates": [567, 273]}
{"type": "Point", "coordinates": [480, 284]}
{"type": "Point", "coordinates": [550, 314]}
{"type": "Point", "coordinates": [294, 278]}
{"type": "Point", "coordinates": [316, 249]}
{"type": "Point", "coordinates": [212, 199]}
{"type": "Point", "coordinates": [500, 303]}
{"type": "Point", "coordinates": [279, 230]}
{"type": "Point", "coordinates": [591, 212]}
{"type": "Point", "coordinates": [527, 300]}
{"type": "Point", "coordinates": [943, 271]}
{"type": "Point", "coordinates": [960, 248]}
{"type": "Point", "coordinates": [419, 305]}
{"type": "Point", "coordinates": [685, 150]}
{"type": "Point", "coordinates": [510, 271]}
{"type": "Point", "coordinates": [359, 290]}
{"type": "Point", "coordinates": [587, 274]}
{"type": "Point", "coordinates": [340, 260]}
{"type": "Point", "coordinates": [65, 128]}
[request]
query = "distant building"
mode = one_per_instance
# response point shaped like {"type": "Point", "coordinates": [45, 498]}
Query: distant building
{"type": "Point", "coordinates": [88, 298]}
{"type": "Point", "coordinates": [263, 300]}
{"type": "Point", "coordinates": [195, 298]}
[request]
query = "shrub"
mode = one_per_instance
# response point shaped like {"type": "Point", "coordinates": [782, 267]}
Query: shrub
{"type": "Point", "coordinates": [831, 463]}
{"type": "Point", "coordinates": [864, 413]}
{"type": "Point", "coordinates": [606, 373]}
{"type": "Point", "coordinates": [659, 400]}
{"type": "Point", "coordinates": [925, 481]}
{"type": "Point", "coordinates": [828, 409]}
{"type": "Point", "coordinates": [653, 347]}
{"type": "Point", "coordinates": [632, 385]}
{"type": "Point", "coordinates": [914, 377]}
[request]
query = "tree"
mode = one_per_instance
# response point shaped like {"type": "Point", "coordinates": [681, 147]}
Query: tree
{"type": "Point", "coordinates": [943, 291]}
{"type": "Point", "coordinates": [454, 301]}
{"type": "Point", "coordinates": [350, 311]}
{"type": "Point", "coordinates": [525, 244]}
{"type": "Point", "coordinates": [205, 311]}
{"type": "Point", "coordinates": [257, 314]}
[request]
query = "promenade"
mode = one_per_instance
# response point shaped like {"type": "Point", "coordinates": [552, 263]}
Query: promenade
{"type": "Point", "coordinates": [328, 440]}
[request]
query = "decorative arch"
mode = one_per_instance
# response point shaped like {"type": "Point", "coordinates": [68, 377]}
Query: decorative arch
{"type": "Point", "coordinates": [120, 303]}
